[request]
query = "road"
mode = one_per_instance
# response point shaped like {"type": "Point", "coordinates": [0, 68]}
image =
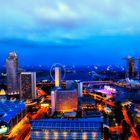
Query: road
{"type": "Point", "coordinates": [98, 97]}
{"type": "Point", "coordinates": [134, 135]}
{"type": "Point", "coordinates": [22, 135]}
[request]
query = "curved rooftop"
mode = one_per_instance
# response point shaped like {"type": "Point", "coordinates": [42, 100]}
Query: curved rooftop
{"type": "Point", "coordinates": [9, 109]}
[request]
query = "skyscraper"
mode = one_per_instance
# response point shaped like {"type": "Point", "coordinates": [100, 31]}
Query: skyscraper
{"type": "Point", "coordinates": [12, 73]}
{"type": "Point", "coordinates": [57, 76]}
{"type": "Point", "coordinates": [130, 72]}
{"type": "Point", "coordinates": [131, 68]}
{"type": "Point", "coordinates": [80, 89]}
{"type": "Point", "coordinates": [28, 85]}
{"type": "Point", "coordinates": [138, 75]}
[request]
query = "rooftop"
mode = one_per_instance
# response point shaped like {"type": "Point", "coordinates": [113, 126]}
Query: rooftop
{"type": "Point", "coordinates": [9, 109]}
{"type": "Point", "coordinates": [69, 124]}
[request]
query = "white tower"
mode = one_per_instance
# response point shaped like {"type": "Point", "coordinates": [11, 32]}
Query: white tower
{"type": "Point", "coordinates": [80, 89]}
{"type": "Point", "coordinates": [57, 76]}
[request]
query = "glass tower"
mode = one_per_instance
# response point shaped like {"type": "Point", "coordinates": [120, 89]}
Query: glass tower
{"type": "Point", "coordinates": [12, 73]}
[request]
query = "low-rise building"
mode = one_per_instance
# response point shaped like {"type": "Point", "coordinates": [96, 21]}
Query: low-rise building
{"type": "Point", "coordinates": [62, 129]}
{"type": "Point", "coordinates": [11, 112]}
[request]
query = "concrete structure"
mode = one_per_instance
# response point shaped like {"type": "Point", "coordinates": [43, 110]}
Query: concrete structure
{"type": "Point", "coordinates": [57, 76]}
{"type": "Point", "coordinates": [64, 100]}
{"type": "Point", "coordinates": [138, 74]}
{"type": "Point", "coordinates": [86, 102]}
{"type": "Point", "coordinates": [70, 114]}
{"type": "Point", "coordinates": [130, 72]}
{"type": "Point", "coordinates": [12, 73]}
{"type": "Point", "coordinates": [80, 89]}
{"type": "Point", "coordinates": [28, 85]}
{"type": "Point", "coordinates": [63, 129]}
{"type": "Point", "coordinates": [131, 68]}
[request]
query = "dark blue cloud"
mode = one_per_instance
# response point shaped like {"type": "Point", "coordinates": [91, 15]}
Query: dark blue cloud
{"type": "Point", "coordinates": [81, 32]}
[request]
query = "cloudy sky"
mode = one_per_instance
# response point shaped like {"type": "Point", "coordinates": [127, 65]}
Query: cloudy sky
{"type": "Point", "coordinates": [69, 31]}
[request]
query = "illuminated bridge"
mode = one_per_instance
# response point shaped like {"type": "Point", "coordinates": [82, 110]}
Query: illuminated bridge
{"type": "Point", "coordinates": [78, 128]}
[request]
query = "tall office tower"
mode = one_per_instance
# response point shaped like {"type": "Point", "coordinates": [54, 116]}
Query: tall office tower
{"type": "Point", "coordinates": [80, 89]}
{"type": "Point", "coordinates": [12, 73]}
{"type": "Point", "coordinates": [28, 85]}
{"type": "Point", "coordinates": [138, 75]}
{"type": "Point", "coordinates": [57, 76]}
{"type": "Point", "coordinates": [131, 68]}
{"type": "Point", "coordinates": [64, 100]}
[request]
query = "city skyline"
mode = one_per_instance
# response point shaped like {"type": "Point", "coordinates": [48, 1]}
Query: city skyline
{"type": "Point", "coordinates": [66, 32]}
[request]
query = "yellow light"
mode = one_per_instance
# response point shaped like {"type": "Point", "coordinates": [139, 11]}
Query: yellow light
{"type": "Point", "coordinates": [84, 136]}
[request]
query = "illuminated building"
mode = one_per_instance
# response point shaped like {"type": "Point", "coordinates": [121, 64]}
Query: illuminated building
{"type": "Point", "coordinates": [2, 95]}
{"type": "Point", "coordinates": [130, 73]}
{"type": "Point", "coordinates": [12, 73]}
{"type": "Point", "coordinates": [57, 76]}
{"type": "Point", "coordinates": [79, 128]}
{"type": "Point", "coordinates": [28, 85]}
{"type": "Point", "coordinates": [138, 75]}
{"type": "Point", "coordinates": [80, 89]}
{"type": "Point", "coordinates": [86, 102]}
{"type": "Point", "coordinates": [64, 100]}
{"type": "Point", "coordinates": [11, 112]}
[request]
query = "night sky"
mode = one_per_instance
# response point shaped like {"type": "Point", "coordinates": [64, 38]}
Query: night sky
{"type": "Point", "coordinates": [69, 31]}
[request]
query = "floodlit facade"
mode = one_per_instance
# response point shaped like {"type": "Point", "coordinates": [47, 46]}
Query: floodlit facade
{"type": "Point", "coordinates": [28, 85]}
{"type": "Point", "coordinates": [64, 100]}
{"type": "Point", "coordinates": [12, 73]}
{"type": "Point", "coordinates": [57, 76]}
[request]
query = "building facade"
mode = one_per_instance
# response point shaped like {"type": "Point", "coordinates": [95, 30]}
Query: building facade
{"type": "Point", "coordinates": [80, 89]}
{"type": "Point", "coordinates": [64, 100]}
{"type": "Point", "coordinates": [28, 85]}
{"type": "Point", "coordinates": [131, 68]}
{"type": "Point", "coordinates": [63, 129]}
{"type": "Point", "coordinates": [138, 74]}
{"type": "Point", "coordinates": [12, 73]}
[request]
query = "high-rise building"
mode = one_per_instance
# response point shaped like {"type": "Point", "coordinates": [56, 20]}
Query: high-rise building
{"type": "Point", "coordinates": [57, 76]}
{"type": "Point", "coordinates": [130, 72]}
{"type": "Point", "coordinates": [80, 89]}
{"type": "Point", "coordinates": [28, 85]}
{"type": "Point", "coordinates": [64, 100]}
{"type": "Point", "coordinates": [12, 73]}
{"type": "Point", "coordinates": [138, 75]}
